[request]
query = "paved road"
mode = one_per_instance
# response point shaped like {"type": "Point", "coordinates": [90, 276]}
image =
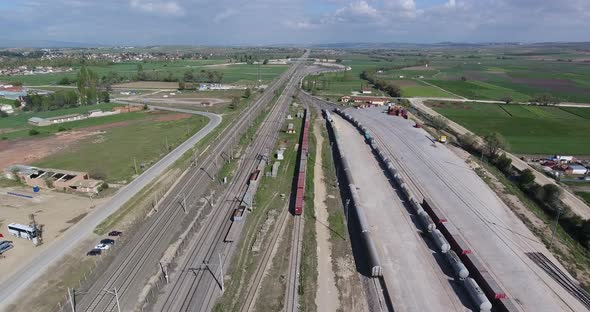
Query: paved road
{"type": "Point", "coordinates": [578, 206]}
{"type": "Point", "coordinates": [492, 230]}
{"type": "Point", "coordinates": [23, 278]}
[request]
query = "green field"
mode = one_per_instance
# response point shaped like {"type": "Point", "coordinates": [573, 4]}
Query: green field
{"type": "Point", "coordinates": [231, 73]}
{"type": "Point", "coordinates": [489, 73]}
{"type": "Point", "coordinates": [113, 153]}
{"type": "Point", "coordinates": [16, 126]}
{"type": "Point", "coordinates": [528, 129]}
{"type": "Point", "coordinates": [585, 196]}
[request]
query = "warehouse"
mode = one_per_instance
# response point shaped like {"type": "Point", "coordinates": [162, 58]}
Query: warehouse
{"type": "Point", "coordinates": [63, 180]}
{"type": "Point", "coordinates": [42, 122]}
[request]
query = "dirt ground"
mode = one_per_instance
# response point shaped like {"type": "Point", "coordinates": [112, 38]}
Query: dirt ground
{"type": "Point", "coordinates": [327, 294]}
{"type": "Point", "coordinates": [54, 211]}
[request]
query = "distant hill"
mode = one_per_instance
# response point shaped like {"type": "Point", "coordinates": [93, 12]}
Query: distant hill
{"type": "Point", "coordinates": [8, 43]}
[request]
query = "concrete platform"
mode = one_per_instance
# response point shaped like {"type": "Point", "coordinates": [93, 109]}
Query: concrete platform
{"type": "Point", "coordinates": [495, 234]}
{"type": "Point", "coordinates": [414, 279]}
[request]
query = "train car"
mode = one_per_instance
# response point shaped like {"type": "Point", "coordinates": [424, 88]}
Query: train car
{"type": "Point", "coordinates": [299, 203]}
{"type": "Point", "coordinates": [436, 214]}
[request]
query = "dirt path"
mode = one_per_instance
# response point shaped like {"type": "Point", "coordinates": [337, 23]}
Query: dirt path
{"type": "Point", "coordinates": [327, 293]}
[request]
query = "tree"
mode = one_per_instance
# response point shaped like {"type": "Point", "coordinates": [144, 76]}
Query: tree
{"type": "Point", "coordinates": [504, 163]}
{"type": "Point", "coordinates": [493, 142]}
{"type": "Point", "coordinates": [16, 103]}
{"type": "Point", "coordinates": [105, 97]}
{"type": "Point", "coordinates": [65, 81]}
{"type": "Point", "coordinates": [463, 78]}
{"type": "Point", "coordinates": [189, 76]}
{"type": "Point", "coordinates": [247, 93]}
{"type": "Point", "coordinates": [3, 114]}
{"type": "Point", "coordinates": [468, 141]}
{"type": "Point", "coordinates": [526, 178]}
{"type": "Point", "coordinates": [235, 102]}
{"type": "Point", "coordinates": [552, 193]}
{"type": "Point", "coordinates": [33, 132]}
{"type": "Point", "coordinates": [507, 99]}
{"type": "Point", "coordinates": [338, 60]}
{"type": "Point", "coordinates": [181, 85]}
{"type": "Point", "coordinates": [265, 62]}
{"type": "Point", "coordinates": [544, 99]}
{"type": "Point", "coordinates": [439, 122]}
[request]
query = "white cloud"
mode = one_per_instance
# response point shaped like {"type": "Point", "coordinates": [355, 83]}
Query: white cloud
{"type": "Point", "coordinates": [158, 7]}
{"type": "Point", "coordinates": [223, 15]}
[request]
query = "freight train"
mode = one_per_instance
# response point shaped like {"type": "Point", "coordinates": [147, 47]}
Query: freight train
{"type": "Point", "coordinates": [304, 150]}
{"type": "Point", "coordinates": [482, 287]}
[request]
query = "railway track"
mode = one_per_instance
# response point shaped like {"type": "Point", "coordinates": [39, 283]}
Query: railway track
{"type": "Point", "coordinates": [291, 293]}
{"type": "Point", "coordinates": [138, 258]}
{"type": "Point", "coordinates": [195, 289]}
{"type": "Point", "coordinates": [265, 261]}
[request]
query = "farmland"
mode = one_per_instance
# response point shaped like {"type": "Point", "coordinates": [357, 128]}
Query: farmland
{"type": "Point", "coordinates": [528, 129]}
{"type": "Point", "coordinates": [234, 73]}
{"type": "Point", "coordinates": [489, 73]}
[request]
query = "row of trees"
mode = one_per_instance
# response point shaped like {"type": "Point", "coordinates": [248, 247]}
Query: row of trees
{"type": "Point", "coordinates": [547, 197]}
{"type": "Point", "coordinates": [384, 85]}
{"type": "Point", "coordinates": [208, 76]}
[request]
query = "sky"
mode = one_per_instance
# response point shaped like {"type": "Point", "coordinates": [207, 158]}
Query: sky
{"type": "Point", "coordinates": [261, 22]}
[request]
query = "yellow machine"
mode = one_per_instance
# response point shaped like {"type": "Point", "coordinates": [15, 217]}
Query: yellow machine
{"type": "Point", "coordinates": [442, 139]}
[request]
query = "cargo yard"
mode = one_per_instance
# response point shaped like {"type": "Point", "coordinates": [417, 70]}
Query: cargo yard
{"type": "Point", "coordinates": [492, 242]}
{"type": "Point", "coordinates": [410, 267]}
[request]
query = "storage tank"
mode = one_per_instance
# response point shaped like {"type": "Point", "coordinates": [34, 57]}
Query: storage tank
{"type": "Point", "coordinates": [458, 266]}
{"type": "Point", "coordinates": [440, 241]}
{"type": "Point", "coordinates": [426, 221]}
{"type": "Point", "coordinates": [477, 295]}
{"type": "Point", "coordinates": [415, 205]}
{"type": "Point", "coordinates": [385, 159]}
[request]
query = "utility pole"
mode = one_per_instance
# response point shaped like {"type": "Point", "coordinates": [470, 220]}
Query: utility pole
{"type": "Point", "coordinates": [346, 209]}
{"type": "Point", "coordinates": [114, 292]}
{"type": "Point", "coordinates": [221, 273]}
{"type": "Point", "coordinates": [554, 228]}
{"type": "Point", "coordinates": [167, 148]}
{"type": "Point", "coordinates": [165, 271]}
{"type": "Point", "coordinates": [70, 294]}
{"type": "Point", "coordinates": [135, 164]}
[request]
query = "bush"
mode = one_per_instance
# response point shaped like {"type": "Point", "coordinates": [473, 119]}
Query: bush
{"type": "Point", "coordinates": [3, 114]}
{"type": "Point", "coordinates": [526, 178]}
{"type": "Point", "coordinates": [439, 123]}
{"type": "Point", "coordinates": [504, 163]}
{"type": "Point", "coordinates": [34, 132]}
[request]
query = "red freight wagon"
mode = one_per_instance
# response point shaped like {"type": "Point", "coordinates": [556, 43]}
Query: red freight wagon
{"type": "Point", "coordinates": [301, 181]}
{"type": "Point", "coordinates": [299, 203]}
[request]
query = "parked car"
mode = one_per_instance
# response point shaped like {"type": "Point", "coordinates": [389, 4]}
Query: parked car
{"type": "Point", "coordinates": [5, 242]}
{"type": "Point", "coordinates": [94, 252]}
{"type": "Point", "coordinates": [5, 247]}
{"type": "Point", "coordinates": [115, 233]}
{"type": "Point", "coordinates": [108, 241]}
{"type": "Point", "coordinates": [102, 246]}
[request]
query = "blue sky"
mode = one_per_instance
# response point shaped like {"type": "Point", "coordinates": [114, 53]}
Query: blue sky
{"type": "Point", "coordinates": [257, 22]}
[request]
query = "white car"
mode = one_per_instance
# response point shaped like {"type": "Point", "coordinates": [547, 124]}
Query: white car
{"type": "Point", "coordinates": [102, 246]}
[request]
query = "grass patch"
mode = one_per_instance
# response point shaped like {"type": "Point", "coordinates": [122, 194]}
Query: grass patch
{"type": "Point", "coordinates": [585, 196]}
{"type": "Point", "coordinates": [144, 142]}
{"type": "Point", "coordinates": [528, 129]}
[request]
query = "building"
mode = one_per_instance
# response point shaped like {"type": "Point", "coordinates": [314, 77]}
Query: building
{"type": "Point", "coordinates": [42, 122]}
{"type": "Point", "coordinates": [290, 128]}
{"type": "Point", "coordinates": [366, 90]}
{"type": "Point", "coordinates": [12, 92]}
{"type": "Point", "coordinates": [562, 159]}
{"type": "Point", "coordinates": [280, 154]}
{"type": "Point", "coordinates": [576, 169]}
{"type": "Point", "coordinates": [128, 108]}
{"type": "Point", "coordinates": [365, 101]}
{"type": "Point", "coordinates": [7, 108]}
{"type": "Point", "coordinates": [87, 186]}
{"type": "Point", "coordinates": [62, 180]}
